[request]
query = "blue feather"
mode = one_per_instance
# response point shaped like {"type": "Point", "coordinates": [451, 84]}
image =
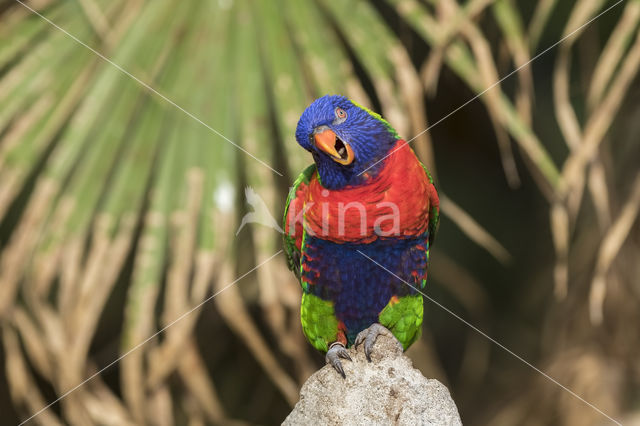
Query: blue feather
{"type": "Point", "coordinates": [359, 288]}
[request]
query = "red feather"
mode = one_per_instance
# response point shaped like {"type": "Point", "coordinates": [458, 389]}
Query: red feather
{"type": "Point", "coordinates": [402, 183]}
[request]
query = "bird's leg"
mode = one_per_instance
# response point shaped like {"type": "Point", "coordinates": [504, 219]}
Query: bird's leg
{"type": "Point", "coordinates": [369, 336]}
{"type": "Point", "coordinates": [335, 352]}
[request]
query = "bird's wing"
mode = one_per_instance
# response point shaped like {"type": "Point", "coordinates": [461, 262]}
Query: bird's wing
{"type": "Point", "coordinates": [434, 208]}
{"type": "Point", "coordinates": [293, 229]}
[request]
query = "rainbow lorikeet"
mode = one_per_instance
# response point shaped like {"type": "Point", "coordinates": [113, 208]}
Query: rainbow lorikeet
{"type": "Point", "coordinates": [367, 197]}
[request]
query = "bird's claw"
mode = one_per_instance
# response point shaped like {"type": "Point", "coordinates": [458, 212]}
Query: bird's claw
{"type": "Point", "coordinates": [335, 352]}
{"type": "Point", "coordinates": [369, 336]}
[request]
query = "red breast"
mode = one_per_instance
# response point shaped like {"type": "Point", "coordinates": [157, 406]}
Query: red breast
{"type": "Point", "coordinates": [394, 203]}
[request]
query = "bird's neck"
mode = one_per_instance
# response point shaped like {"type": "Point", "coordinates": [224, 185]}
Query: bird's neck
{"type": "Point", "coordinates": [336, 177]}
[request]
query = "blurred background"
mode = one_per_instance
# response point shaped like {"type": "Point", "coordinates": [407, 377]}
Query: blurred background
{"type": "Point", "coordinates": [119, 205]}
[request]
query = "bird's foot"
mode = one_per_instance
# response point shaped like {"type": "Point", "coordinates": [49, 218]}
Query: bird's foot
{"type": "Point", "coordinates": [369, 336]}
{"type": "Point", "coordinates": [335, 352]}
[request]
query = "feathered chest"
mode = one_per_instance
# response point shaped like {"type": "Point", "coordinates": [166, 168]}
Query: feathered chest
{"type": "Point", "coordinates": [393, 204]}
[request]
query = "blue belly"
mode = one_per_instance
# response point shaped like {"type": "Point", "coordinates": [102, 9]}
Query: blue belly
{"type": "Point", "coordinates": [358, 287]}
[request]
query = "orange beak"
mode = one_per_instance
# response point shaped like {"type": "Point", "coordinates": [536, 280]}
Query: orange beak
{"type": "Point", "coordinates": [339, 150]}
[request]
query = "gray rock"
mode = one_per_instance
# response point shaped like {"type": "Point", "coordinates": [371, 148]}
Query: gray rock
{"type": "Point", "coordinates": [386, 391]}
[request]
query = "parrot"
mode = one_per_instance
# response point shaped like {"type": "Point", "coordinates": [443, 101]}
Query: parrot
{"type": "Point", "coordinates": [365, 204]}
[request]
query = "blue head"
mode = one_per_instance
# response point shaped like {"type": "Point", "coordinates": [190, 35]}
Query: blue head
{"type": "Point", "coordinates": [344, 139]}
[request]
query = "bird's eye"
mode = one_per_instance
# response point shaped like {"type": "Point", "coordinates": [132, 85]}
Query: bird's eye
{"type": "Point", "coordinates": [340, 113]}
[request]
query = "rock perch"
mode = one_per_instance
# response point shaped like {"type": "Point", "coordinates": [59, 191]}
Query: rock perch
{"type": "Point", "coordinates": [386, 391]}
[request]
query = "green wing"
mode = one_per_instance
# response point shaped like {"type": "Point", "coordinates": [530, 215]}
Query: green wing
{"type": "Point", "coordinates": [434, 213]}
{"type": "Point", "coordinates": [289, 236]}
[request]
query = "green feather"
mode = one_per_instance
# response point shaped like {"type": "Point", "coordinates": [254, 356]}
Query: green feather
{"type": "Point", "coordinates": [319, 322]}
{"type": "Point", "coordinates": [290, 249]}
{"type": "Point", "coordinates": [403, 317]}
{"type": "Point", "coordinates": [434, 215]}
